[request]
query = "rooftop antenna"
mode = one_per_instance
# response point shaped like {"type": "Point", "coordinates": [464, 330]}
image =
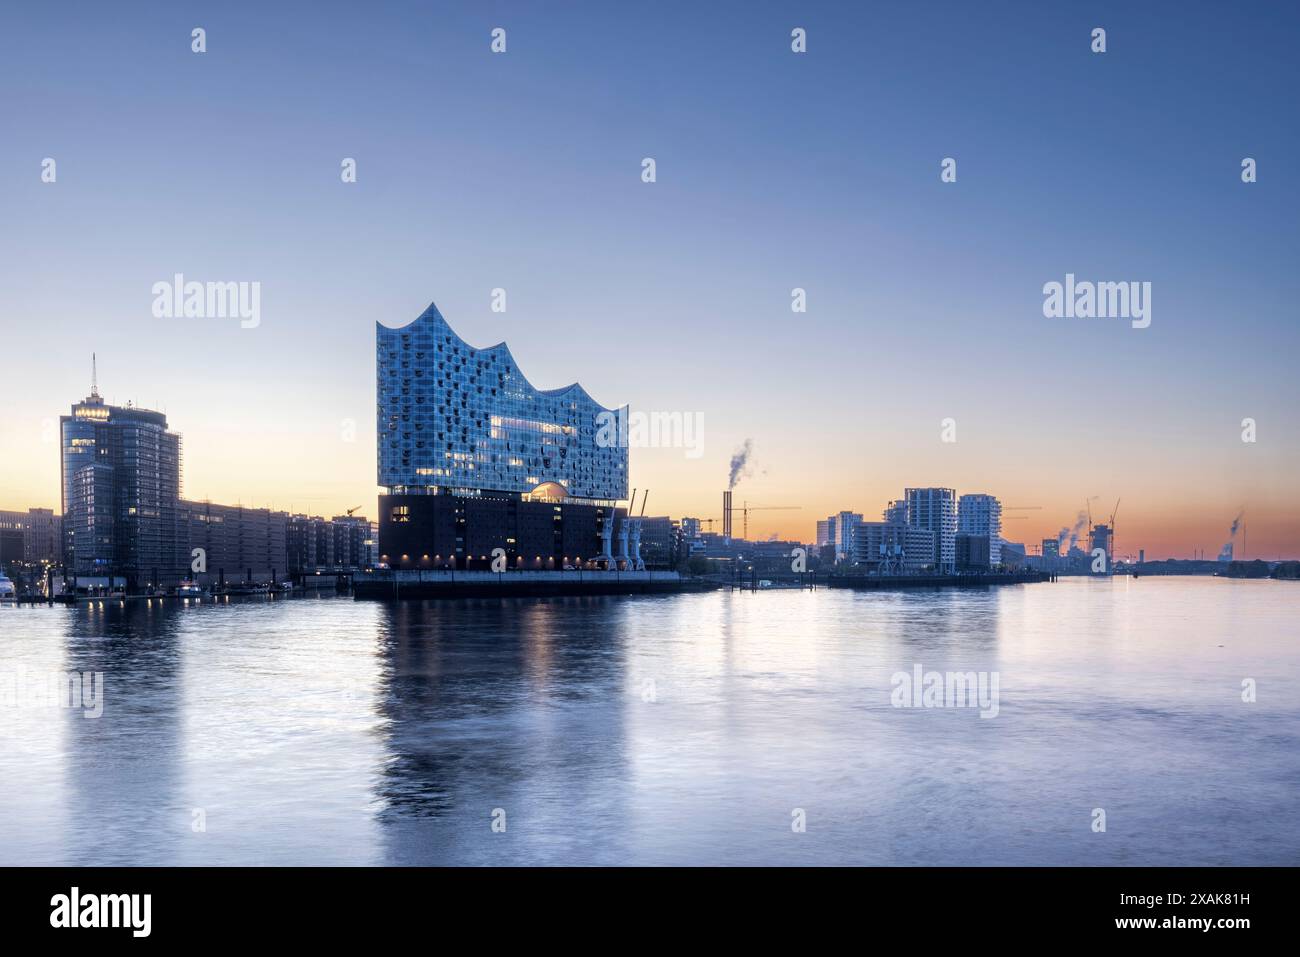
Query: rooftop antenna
{"type": "Point", "coordinates": [94, 376]}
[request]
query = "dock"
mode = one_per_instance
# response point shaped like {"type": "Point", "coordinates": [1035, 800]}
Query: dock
{"type": "Point", "coordinates": [971, 580]}
{"type": "Point", "coordinates": [384, 584]}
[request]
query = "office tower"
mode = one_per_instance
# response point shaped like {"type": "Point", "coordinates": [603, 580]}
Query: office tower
{"type": "Point", "coordinates": [121, 479]}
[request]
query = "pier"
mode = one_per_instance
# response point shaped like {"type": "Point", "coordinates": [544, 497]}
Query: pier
{"type": "Point", "coordinates": [445, 583]}
{"type": "Point", "coordinates": [972, 580]}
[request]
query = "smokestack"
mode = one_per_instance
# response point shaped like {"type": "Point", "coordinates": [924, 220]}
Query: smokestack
{"type": "Point", "coordinates": [726, 513]}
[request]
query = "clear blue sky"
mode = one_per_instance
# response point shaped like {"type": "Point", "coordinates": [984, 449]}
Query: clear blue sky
{"type": "Point", "coordinates": [775, 170]}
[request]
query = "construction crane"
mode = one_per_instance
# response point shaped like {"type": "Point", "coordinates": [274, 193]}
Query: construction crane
{"type": "Point", "coordinates": [353, 509]}
{"type": "Point", "coordinates": [744, 511]}
{"type": "Point", "coordinates": [746, 508]}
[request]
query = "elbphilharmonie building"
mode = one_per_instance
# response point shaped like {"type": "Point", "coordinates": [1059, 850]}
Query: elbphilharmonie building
{"type": "Point", "coordinates": [474, 458]}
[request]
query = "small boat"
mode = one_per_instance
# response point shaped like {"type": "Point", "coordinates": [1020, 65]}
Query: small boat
{"type": "Point", "coordinates": [7, 590]}
{"type": "Point", "coordinates": [188, 589]}
{"type": "Point", "coordinates": [249, 588]}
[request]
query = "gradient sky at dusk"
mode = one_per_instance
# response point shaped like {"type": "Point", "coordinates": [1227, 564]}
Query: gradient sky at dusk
{"type": "Point", "coordinates": [775, 170]}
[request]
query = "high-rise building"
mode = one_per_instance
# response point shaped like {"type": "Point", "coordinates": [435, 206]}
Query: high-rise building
{"type": "Point", "coordinates": [846, 528]}
{"type": "Point", "coordinates": [1102, 537]}
{"type": "Point", "coordinates": [837, 532]}
{"type": "Point", "coordinates": [980, 514]}
{"type": "Point", "coordinates": [121, 470]}
{"type": "Point", "coordinates": [474, 458]}
{"type": "Point", "coordinates": [935, 509]}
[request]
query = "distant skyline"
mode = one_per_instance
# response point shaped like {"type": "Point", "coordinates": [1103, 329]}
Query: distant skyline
{"type": "Point", "coordinates": [522, 171]}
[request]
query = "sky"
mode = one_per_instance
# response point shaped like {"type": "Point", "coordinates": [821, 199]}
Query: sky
{"type": "Point", "coordinates": [774, 170]}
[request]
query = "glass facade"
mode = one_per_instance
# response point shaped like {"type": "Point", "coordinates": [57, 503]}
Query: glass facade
{"type": "Point", "coordinates": [456, 419]}
{"type": "Point", "coordinates": [121, 483]}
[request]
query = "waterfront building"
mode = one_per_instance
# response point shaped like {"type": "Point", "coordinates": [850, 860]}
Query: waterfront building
{"type": "Point", "coordinates": [846, 527]}
{"type": "Point", "coordinates": [935, 509]}
{"type": "Point", "coordinates": [474, 458]}
{"type": "Point", "coordinates": [33, 537]}
{"type": "Point", "coordinates": [121, 480]}
{"type": "Point", "coordinates": [350, 533]}
{"type": "Point", "coordinates": [837, 534]}
{"type": "Point", "coordinates": [980, 514]}
{"type": "Point", "coordinates": [972, 552]}
{"type": "Point", "coordinates": [237, 544]}
{"type": "Point", "coordinates": [12, 525]}
{"type": "Point", "coordinates": [124, 516]}
{"type": "Point", "coordinates": [1103, 537]}
{"type": "Point", "coordinates": [893, 548]}
{"type": "Point", "coordinates": [660, 542]}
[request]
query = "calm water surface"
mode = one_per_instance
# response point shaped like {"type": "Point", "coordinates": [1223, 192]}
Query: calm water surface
{"type": "Point", "coordinates": [663, 730]}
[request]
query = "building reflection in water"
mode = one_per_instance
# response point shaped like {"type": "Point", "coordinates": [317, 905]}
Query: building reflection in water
{"type": "Point", "coordinates": [121, 771]}
{"type": "Point", "coordinates": [499, 704]}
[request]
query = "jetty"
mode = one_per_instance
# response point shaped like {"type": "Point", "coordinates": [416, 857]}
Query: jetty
{"type": "Point", "coordinates": [387, 584]}
{"type": "Point", "coordinates": [965, 580]}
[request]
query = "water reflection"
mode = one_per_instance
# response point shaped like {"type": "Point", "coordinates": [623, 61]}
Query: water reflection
{"type": "Point", "coordinates": [121, 775]}
{"type": "Point", "coordinates": [662, 730]}
{"type": "Point", "coordinates": [493, 705]}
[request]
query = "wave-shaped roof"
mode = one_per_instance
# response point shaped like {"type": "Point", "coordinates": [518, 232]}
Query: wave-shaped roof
{"type": "Point", "coordinates": [501, 350]}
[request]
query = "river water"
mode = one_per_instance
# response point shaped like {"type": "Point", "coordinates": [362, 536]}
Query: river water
{"type": "Point", "coordinates": [745, 728]}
